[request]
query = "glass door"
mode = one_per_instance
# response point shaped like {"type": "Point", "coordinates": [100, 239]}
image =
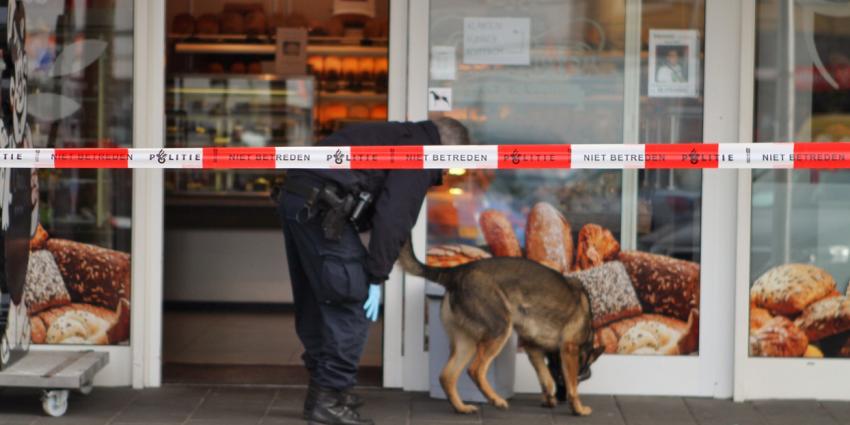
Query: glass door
{"type": "Point", "coordinates": [581, 72]}
{"type": "Point", "coordinates": [794, 314]}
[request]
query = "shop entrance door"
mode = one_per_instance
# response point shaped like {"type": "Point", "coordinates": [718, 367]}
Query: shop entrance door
{"type": "Point", "coordinates": [580, 72]}
{"type": "Point", "coordinates": [794, 263]}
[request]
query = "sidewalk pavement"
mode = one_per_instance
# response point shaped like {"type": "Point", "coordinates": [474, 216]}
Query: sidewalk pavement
{"type": "Point", "coordinates": [195, 405]}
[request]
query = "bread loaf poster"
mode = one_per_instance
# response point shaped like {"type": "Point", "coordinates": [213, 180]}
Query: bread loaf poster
{"type": "Point", "coordinates": [642, 303]}
{"type": "Point", "coordinates": [799, 310]}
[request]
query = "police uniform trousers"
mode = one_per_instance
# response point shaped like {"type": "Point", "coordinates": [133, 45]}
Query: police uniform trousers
{"type": "Point", "coordinates": [329, 287]}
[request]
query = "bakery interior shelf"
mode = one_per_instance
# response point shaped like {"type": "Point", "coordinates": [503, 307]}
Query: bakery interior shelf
{"type": "Point", "coordinates": [219, 199]}
{"type": "Point", "coordinates": [267, 49]}
{"type": "Point", "coordinates": [352, 95]}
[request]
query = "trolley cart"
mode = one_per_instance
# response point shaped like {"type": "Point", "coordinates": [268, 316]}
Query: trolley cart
{"type": "Point", "coordinates": [56, 373]}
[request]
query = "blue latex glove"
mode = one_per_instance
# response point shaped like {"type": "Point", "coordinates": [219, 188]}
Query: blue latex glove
{"type": "Point", "coordinates": [373, 303]}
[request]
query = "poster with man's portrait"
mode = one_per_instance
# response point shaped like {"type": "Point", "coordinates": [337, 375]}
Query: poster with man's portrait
{"type": "Point", "coordinates": [673, 63]}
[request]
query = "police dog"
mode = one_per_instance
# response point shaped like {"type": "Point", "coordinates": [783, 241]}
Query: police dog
{"type": "Point", "coordinates": [486, 299]}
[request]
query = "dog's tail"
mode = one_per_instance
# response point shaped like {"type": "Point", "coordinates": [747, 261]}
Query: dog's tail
{"type": "Point", "coordinates": [412, 265]}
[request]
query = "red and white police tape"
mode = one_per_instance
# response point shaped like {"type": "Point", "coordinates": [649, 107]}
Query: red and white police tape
{"type": "Point", "coordinates": [591, 156]}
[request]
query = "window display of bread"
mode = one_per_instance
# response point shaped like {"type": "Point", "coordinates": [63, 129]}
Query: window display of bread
{"type": "Point", "coordinates": [611, 294]}
{"type": "Point", "coordinates": [758, 318]}
{"type": "Point", "coordinates": [499, 234]}
{"type": "Point", "coordinates": [595, 246]}
{"type": "Point", "coordinates": [183, 23]}
{"type": "Point", "coordinates": [778, 338]}
{"type": "Point", "coordinates": [44, 287]}
{"type": "Point", "coordinates": [664, 285]}
{"type": "Point", "coordinates": [232, 23]}
{"type": "Point", "coordinates": [453, 255]}
{"type": "Point", "coordinates": [548, 238]}
{"type": "Point", "coordinates": [39, 239]}
{"type": "Point", "coordinates": [825, 318]}
{"type": "Point", "coordinates": [73, 324]}
{"type": "Point", "coordinates": [256, 23]}
{"type": "Point", "coordinates": [790, 288]}
{"type": "Point", "coordinates": [208, 24]}
{"type": "Point", "coordinates": [92, 274]}
{"type": "Point", "coordinates": [606, 337]}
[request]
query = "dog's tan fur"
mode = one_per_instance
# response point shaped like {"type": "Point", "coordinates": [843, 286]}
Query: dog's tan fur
{"type": "Point", "coordinates": [487, 299]}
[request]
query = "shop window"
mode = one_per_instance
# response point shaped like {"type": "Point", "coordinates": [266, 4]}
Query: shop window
{"type": "Point", "coordinates": [80, 85]}
{"type": "Point", "coordinates": [559, 72]}
{"type": "Point", "coordinates": [800, 236]}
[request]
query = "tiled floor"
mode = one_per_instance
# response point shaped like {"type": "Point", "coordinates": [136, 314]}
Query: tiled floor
{"type": "Point", "coordinates": [239, 338]}
{"type": "Point", "coordinates": [195, 405]}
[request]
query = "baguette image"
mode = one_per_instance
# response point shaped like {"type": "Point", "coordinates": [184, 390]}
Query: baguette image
{"type": "Point", "coordinates": [548, 238]}
{"type": "Point", "coordinates": [499, 234]}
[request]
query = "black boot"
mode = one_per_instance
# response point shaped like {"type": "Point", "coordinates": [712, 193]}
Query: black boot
{"type": "Point", "coordinates": [346, 398]}
{"type": "Point", "coordinates": [350, 399]}
{"type": "Point", "coordinates": [328, 410]}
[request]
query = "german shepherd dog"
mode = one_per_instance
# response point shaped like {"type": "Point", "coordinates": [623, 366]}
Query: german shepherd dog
{"type": "Point", "coordinates": [486, 299]}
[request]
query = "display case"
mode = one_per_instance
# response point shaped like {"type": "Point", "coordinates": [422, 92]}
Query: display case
{"type": "Point", "coordinates": [224, 90]}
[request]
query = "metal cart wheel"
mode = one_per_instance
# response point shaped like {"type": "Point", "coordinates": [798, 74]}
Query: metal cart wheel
{"type": "Point", "coordinates": [55, 402]}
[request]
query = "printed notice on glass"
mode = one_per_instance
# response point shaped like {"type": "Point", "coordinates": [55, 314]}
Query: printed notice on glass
{"type": "Point", "coordinates": [443, 63]}
{"type": "Point", "coordinates": [673, 63]}
{"type": "Point", "coordinates": [496, 41]}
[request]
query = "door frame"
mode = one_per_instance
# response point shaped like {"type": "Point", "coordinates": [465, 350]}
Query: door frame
{"type": "Point", "coordinates": [710, 373]}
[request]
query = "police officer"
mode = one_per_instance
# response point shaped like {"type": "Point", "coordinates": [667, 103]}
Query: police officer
{"type": "Point", "coordinates": [336, 280]}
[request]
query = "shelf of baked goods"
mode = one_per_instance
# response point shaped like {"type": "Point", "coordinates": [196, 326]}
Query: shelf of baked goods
{"type": "Point", "coordinates": [353, 95]}
{"type": "Point", "coordinates": [265, 45]}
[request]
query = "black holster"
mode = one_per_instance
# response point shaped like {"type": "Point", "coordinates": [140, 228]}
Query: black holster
{"type": "Point", "coordinates": [335, 207]}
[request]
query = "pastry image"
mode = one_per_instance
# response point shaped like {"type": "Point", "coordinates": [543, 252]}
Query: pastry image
{"type": "Point", "coordinates": [499, 234]}
{"type": "Point", "coordinates": [655, 334]}
{"type": "Point", "coordinates": [611, 294]}
{"type": "Point", "coordinates": [788, 289]}
{"type": "Point", "coordinates": [44, 288]}
{"type": "Point", "coordinates": [779, 337]}
{"type": "Point", "coordinates": [72, 324]}
{"type": "Point", "coordinates": [649, 338]}
{"type": "Point", "coordinates": [595, 246]}
{"type": "Point", "coordinates": [255, 68]}
{"type": "Point", "coordinates": [238, 68]}
{"type": "Point", "coordinates": [39, 240]}
{"type": "Point", "coordinates": [453, 255]}
{"type": "Point", "coordinates": [664, 285]}
{"type": "Point", "coordinates": [758, 318]}
{"type": "Point", "coordinates": [830, 316]}
{"type": "Point", "coordinates": [92, 274]}
{"type": "Point", "coordinates": [548, 238]}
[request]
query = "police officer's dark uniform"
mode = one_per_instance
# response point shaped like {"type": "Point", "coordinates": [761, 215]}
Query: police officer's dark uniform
{"type": "Point", "coordinates": [329, 267]}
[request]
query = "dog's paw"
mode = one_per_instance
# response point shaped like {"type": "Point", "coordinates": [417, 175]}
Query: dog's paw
{"type": "Point", "coordinates": [500, 403]}
{"type": "Point", "coordinates": [582, 410]}
{"type": "Point", "coordinates": [466, 409]}
{"type": "Point", "coordinates": [550, 401]}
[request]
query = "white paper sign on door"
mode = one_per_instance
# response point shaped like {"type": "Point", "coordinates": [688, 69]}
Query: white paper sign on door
{"type": "Point", "coordinates": [496, 41]}
{"type": "Point", "coordinates": [443, 63]}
